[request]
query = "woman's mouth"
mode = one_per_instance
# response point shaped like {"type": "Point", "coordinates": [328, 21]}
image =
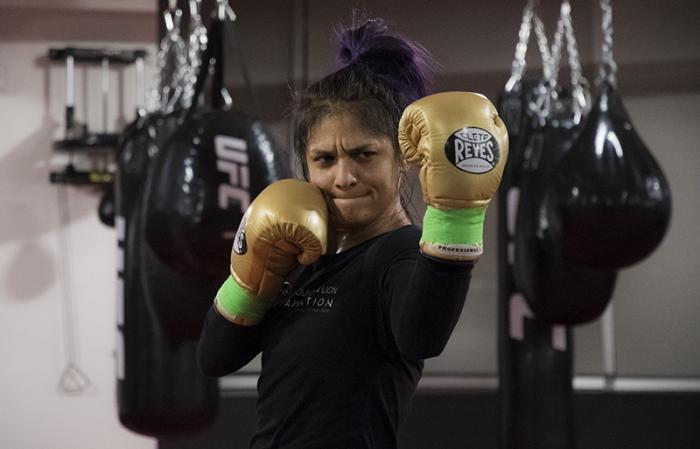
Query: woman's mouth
{"type": "Point", "coordinates": [344, 199]}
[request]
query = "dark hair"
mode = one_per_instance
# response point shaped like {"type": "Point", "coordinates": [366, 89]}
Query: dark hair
{"type": "Point", "coordinates": [380, 74]}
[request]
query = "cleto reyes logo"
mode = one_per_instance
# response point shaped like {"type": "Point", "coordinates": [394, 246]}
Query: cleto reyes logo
{"type": "Point", "coordinates": [473, 150]}
{"type": "Point", "coordinates": [240, 245]}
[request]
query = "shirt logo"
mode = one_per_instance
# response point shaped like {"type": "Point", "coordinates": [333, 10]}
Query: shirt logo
{"type": "Point", "coordinates": [320, 299]}
{"type": "Point", "coordinates": [473, 150]}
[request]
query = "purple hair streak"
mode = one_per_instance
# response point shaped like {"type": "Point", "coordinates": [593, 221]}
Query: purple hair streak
{"type": "Point", "coordinates": [381, 73]}
{"type": "Point", "coordinates": [405, 66]}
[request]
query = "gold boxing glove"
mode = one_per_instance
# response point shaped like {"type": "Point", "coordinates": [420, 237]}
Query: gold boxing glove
{"type": "Point", "coordinates": [461, 146]}
{"type": "Point", "coordinates": [286, 225]}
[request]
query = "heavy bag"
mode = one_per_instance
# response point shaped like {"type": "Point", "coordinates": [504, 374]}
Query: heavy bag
{"type": "Point", "coordinates": [535, 357]}
{"type": "Point", "coordinates": [160, 391]}
{"type": "Point", "coordinates": [536, 367]}
{"type": "Point", "coordinates": [138, 146]}
{"type": "Point", "coordinates": [197, 190]}
{"type": "Point", "coordinates": [612, 197]}
{"type": "Point", "coordinates": [519, 109]}
{"type": "Point", "coordinates": [557, 290]}
{"type": "Point", "coordinates": [200, 185]}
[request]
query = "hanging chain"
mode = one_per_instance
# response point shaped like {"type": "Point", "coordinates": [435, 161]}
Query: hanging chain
{"type": "Point", "coordinates": [572, 48]}
{"type": "Point", "coordinates": [519, 64]}
{"type": "Point", "coordinates": [543, 46]}
{"type": "Point", "coordinates": [579, 85]}
{"type": "Point", "coordinates": [547, 94]}
{"type": "Point", "coordinates": [556, 51]}
{"type": "Point", "coordinates": [541, 103]}
{"type": "Point", "coordinates": [171, 66]}
{"type": "Point", "coordinates": [153, 94]}
{"type": "Point", "coordinates": [224, 10]}
{"type": "Point", "coordinates": [580, 88]}
{"type": "Point", "coordinates": [196, 45]}
{"type": "Point", "coordinates": [180, 68]}
{"type": "Point", "coordinates": [608, 68]}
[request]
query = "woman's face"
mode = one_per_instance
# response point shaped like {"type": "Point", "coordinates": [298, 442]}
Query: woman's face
{"type": "Point", "coordinates": [357, 170]}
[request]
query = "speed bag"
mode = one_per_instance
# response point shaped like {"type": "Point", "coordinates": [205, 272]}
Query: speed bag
{"type": "Point", "coordinates": [198, 188]}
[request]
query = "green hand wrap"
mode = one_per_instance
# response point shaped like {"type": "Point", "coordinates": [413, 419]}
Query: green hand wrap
{"type": "Point", "coordinates": [454, 233]}
{"type": "Point", "coordinates": [234, 302]}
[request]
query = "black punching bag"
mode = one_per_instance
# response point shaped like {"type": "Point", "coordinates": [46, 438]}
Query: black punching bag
{"type": "Point", "coordinates": [518, 107]}
{"type": "Point", "coordinates": [198, 187]}
{"type": "Point", "coordinates": [557, 290]}
{"type": "Point", "coordinates": [611, 196]}
{"type": "Point", "coordinates": [535, 358]}
{"type": "Point", "coordinates": [160, 391]}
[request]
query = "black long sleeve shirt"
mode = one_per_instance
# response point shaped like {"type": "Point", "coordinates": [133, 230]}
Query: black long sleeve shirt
{"type": "Point", "coordinates": [343, 347]}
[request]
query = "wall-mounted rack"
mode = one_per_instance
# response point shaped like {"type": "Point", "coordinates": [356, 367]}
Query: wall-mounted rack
{"type": "Point", "coordinates": [99, 147]}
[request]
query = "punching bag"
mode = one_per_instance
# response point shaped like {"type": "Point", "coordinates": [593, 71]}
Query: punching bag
{"type": "Point", "coordinates": [160, 390]}
{"type": "Point", "coordinates": [611, 196]}
{"type": "Point", "coordinates": [535, 358]}
{"type": "Point", "coordinates": [522, 101]}
{"type": "Point", "coordinates": [558, 290]}
{"type": "Point", "coordinates": [198, 187]}
{"type": "Point", "coordinates": [609, 192]}
{"type": "Point", "coordinates": [519, 106]}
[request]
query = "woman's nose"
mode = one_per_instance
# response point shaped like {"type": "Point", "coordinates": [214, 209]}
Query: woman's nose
{"type": "Point", "coordinates": [345, 174]}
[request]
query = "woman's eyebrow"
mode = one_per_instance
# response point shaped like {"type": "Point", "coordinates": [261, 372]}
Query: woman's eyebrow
{"type": "Point", "coordinates": [319, 151]}
{"type": "Point", "coordinates": [359, 148]}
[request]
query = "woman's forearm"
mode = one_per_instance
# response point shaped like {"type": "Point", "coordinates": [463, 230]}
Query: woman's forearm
{"type": "Point", "coordinates": [427, 296]}
{"type": "Point", "coordinates": [225, 347]}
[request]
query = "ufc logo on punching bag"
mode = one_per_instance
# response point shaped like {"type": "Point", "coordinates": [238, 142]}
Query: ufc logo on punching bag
{"type": "Point", "coordinates": [232, 159]}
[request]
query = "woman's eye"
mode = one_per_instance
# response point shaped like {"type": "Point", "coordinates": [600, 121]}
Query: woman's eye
{"type": "Point", "coordinates": [323, 159]}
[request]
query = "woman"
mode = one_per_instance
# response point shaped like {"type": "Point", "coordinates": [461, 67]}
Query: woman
{"type": "Point", "coordinates": [343, 344]}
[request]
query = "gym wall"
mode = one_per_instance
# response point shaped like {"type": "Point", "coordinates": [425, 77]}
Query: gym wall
{"type": "Point", "coordinates": [656, 301]}
{"type": "Point", "coordinates": [42, 262]}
